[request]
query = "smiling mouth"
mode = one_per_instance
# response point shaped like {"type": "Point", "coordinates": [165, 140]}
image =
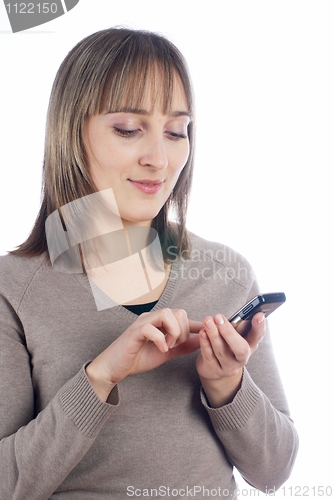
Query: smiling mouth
{"type": "Point", "coordinates": [147, 186]}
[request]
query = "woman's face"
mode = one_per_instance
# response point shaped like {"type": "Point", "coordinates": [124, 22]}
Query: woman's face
{"type": "Point", "coordinates": [139, 153]}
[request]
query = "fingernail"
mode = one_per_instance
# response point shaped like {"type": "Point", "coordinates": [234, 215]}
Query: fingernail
{"type": "Point", "coordinates": [219, 319]}
{"type": "Point", "coordinates": [260, 320]}
{"type": "Point", "coordinates": [210, 324]}
{"type": "Point", "coordinates": [165, 347]}
{"type": "Point", "coordinates": [172, 344]}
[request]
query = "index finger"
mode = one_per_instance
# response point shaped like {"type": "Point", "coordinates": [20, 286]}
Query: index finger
{"type": "Point", "coordinates": [195, 326]}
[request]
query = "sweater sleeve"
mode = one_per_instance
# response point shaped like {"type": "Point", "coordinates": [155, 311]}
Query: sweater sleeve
{"type": "Point", "coordinates": [37, 452]}
{"type": "Point", "coordinates": [255, 429]}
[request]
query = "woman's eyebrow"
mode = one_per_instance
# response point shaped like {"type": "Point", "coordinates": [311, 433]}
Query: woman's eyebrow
{"type": "Point", "coordinates": [138, 111]}
{"type": "Point", "coordinates": [180, 113]}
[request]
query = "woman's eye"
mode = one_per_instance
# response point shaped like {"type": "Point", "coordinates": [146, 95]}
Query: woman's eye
{"type": "Point", "coordinates": [132, 133]}
{"type": "Point", "coordinates": [175, 136]}
{"type": "Point", "coordinates": [125, 133]}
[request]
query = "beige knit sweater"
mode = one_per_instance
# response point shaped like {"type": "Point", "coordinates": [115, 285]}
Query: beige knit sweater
{"type": "Point", "coordinates": [155, 437]}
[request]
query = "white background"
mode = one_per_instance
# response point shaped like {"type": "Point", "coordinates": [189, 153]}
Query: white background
{"type": "Point", "coordinates": [264, 82]}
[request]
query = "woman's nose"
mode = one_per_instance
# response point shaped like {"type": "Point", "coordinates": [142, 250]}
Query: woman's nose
{"type": "Point", "coordinates": [154, 153]}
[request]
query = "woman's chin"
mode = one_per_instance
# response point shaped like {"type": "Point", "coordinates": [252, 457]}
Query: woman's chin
{"type": "Point", "coordinates": [139, 220]}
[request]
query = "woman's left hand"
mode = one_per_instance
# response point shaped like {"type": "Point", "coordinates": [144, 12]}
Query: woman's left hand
{"type": "Point", "coordinates": [224, 353]}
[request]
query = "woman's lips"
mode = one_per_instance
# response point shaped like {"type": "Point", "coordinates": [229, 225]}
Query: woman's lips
{"type": "Point", "coordinates": [147, 186]}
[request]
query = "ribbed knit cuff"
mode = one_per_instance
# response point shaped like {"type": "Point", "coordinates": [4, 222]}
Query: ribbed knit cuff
{"type": "Point", "coordinates": [235, 414]}
{"type": "Point", "coordinates": [83, 407]}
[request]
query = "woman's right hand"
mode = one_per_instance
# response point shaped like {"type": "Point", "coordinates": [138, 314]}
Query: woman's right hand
{"type": "Point", "coordinates": [150, 341]}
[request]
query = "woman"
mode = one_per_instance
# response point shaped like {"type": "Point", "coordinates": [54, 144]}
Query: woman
{"type": "Point", "coordinates": [149, 395]}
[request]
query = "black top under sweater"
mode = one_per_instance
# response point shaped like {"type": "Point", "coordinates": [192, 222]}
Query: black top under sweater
{"type": "Point", "coordinates": [141, 308]}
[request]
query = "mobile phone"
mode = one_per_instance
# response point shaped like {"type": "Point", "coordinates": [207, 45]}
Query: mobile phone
{"type": "Point", "coordinates": [266, 303]}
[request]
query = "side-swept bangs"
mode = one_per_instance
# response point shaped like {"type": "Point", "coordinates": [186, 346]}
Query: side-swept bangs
{"type": "Point", "coordinates": [142, 64]}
